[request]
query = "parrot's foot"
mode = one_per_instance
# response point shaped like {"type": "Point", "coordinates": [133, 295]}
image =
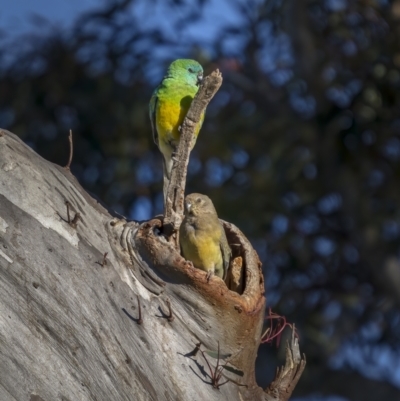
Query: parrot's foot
{"type": "Point", "coordinates": [174, 155]}
{"type": "Point", "coordinates": [210, 273]}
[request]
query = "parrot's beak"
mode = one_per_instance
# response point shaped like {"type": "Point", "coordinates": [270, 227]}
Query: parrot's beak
{"type": "Point", "coordinates": [188, 206]}
{"type": "Point", "coordinates": [199, 79]}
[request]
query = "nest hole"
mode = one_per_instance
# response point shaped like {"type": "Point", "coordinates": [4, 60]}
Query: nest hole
{"type": "Point", "coordinates": [236, 275]}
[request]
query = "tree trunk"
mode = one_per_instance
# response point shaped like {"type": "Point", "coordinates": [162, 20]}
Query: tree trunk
{"type": "Point", "coordinates": [97, 308]}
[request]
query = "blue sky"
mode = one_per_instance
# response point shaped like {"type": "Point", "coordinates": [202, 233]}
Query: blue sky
{"type": "Point", "coordinates": [15, 17]}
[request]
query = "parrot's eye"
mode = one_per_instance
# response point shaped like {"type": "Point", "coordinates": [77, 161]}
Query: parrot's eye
{"type": "Point", "coordinates": [198, 200]}
{"type": "Point", "coordinates": [191, 70]}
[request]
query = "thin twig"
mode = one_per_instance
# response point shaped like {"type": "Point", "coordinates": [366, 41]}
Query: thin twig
{"type": "Point", "coordinates": [216, 373]}
{"type": "Point", "coordinates": [71, 150]}
{"type": "Point", "coordinates": [274, 331]}
{"type": "Point", "coordinates": [74, 222]}
{"type": "Point", "coordinates": [104, 261]}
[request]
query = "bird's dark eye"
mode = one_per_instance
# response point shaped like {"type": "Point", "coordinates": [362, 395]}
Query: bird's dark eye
{"type": "Point", "coordinates": [198, 200]}
{"type": "Point", "coordinates": [191, 70]}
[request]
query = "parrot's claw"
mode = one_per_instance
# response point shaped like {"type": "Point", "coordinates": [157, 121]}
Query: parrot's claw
{"type": "Point", "coordinates": [210, 273]}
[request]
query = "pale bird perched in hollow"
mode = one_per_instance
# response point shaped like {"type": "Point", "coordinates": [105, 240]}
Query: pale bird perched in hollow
{"type": "Point", "coordinates": [168, 107]}
{"type": "Point", "coordinates": [202, 238]}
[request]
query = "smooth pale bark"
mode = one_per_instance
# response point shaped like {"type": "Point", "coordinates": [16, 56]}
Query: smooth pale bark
{"type": "Point", "coordinates": [69, 322]}
{"type": "Point", "coordinates": [69, 326]}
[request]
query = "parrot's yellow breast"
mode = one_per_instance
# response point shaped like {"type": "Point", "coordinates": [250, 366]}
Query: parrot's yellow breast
{"type": "Point", "coordinates": [169, 117]}
{"type": "Point", "coordinates": [203, 250]}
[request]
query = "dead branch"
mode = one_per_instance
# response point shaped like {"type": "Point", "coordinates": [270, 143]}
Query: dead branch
{"type": "Point", "coordinates": [287, 376]}
{"type": "Point", "coordinates": [176, 191]}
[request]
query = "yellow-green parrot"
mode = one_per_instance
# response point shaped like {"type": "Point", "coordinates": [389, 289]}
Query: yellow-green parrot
{"type": "Point", "coordinates": [168, 107]}
{"type": "Point", "coordinates": [202, 238]}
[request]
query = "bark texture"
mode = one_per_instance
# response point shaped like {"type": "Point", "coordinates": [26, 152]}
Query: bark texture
{"type": "Point", "coordinates": [176, 191]}
{"type": "Point", "coordinates": [70, 326]}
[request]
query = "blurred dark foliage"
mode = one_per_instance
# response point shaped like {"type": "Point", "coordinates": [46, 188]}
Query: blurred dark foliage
{"type": "Point", "coordinates": [300, 149]}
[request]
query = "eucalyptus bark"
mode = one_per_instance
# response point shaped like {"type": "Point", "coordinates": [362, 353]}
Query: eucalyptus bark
{"type": "Point", "coordinates": [97, 308]}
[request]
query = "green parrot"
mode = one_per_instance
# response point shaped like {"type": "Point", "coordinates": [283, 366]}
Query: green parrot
{"type": "Point", "coordinates": [168, 107]}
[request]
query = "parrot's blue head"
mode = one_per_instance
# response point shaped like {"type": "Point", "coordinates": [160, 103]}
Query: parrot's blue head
{"type": "Point", "coordinates": [189, 70]}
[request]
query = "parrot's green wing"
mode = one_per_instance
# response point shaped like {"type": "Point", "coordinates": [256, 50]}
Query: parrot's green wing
{"type": "Point", "coordinates": [225, 250]}
{"type": "Point", "coordinates": [152, 113]}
